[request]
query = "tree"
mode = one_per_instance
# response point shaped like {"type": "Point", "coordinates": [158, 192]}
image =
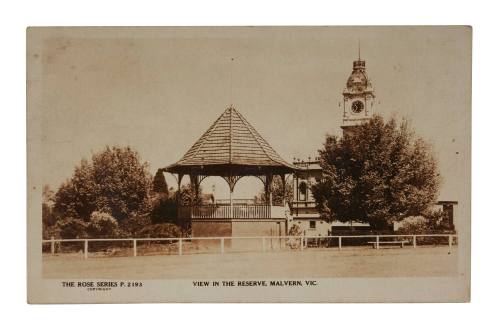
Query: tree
{"type": "Point", "coordinates": [48, 216]}
{"type": "Point", "coordinates": [379, 173]}
{"type": "Point", "coordinates": [114, 182]}
{"type": "Point", "coordinates": [277, 191]}
{"type": "Point", "coordinates": [159, 183]}
{"type": "Point", "coordinates": [76, 197]}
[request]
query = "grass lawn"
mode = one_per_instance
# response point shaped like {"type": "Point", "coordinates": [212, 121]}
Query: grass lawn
{"type": "Point", "coordinates": [311, 263]}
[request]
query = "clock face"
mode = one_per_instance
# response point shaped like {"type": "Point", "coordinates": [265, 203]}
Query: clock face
{"type": "Point", "coordinates": [357, 107]}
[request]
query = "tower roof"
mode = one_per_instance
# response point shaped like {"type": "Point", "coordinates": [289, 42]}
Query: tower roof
{"type": "Point", "coordinates": [358, 82]}
{"type": "Point", "coordinates": [230, 142]}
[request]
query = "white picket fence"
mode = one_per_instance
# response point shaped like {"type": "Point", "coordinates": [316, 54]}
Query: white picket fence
{"type": "Point", "coordinates": [301, 242]}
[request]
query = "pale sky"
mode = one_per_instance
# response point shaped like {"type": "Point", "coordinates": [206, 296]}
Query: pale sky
{"type": "Point", "coordinates": [158, 90]}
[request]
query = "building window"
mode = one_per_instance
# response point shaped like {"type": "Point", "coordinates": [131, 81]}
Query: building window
{"type": "Point", "coordinates": [302, 191]}
{"type": "Point", "coordinates": [312, 224]}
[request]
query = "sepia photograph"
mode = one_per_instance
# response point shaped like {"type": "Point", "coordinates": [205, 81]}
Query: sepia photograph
{"type": "Point", "coordinates": [249, 164]}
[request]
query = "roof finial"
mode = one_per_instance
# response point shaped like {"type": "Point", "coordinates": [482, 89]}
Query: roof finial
{"type": "Point", "coordinates": [231, 80]}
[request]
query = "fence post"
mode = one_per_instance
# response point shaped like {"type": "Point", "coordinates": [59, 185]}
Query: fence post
{"type": "Point", "coordinates": [86, 248]}
{"type": "Point", "coordinates": [180, 246]}
{"type": "Point", "coordinates": [263, 244]}
{"type": "Point", "coordinates": [414, 241]}
{"type": "Point", "coordinates": [52, 245]}
{"type": "Point", "coordinates": [450, 242]}
{"type": "Point", "coordinates": [135, 247]}
{"type": "Point", "coordinates": [377, 244]}
{"type": "Point", "coordinates": [222, 245]}
{"type": "Point", "coordinates": [340, 243]}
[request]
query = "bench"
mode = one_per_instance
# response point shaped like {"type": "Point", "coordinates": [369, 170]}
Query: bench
{"type": "Point", "coordinates": [392, 242]}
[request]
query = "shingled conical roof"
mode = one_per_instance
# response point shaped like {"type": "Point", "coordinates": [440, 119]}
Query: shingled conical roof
{"type": "Point", "coordinates": [230, 141]}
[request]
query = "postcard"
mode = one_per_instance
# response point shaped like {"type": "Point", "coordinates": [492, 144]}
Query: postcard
{"type": "Point", "coordinates": [249, 164]}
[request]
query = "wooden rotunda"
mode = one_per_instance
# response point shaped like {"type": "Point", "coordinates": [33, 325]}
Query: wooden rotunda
{"type": "Point", "coordinates": [231, 148]}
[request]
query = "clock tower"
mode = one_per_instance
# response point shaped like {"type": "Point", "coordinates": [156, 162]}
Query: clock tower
{"type": "Point", "coordinates": [359, 97]}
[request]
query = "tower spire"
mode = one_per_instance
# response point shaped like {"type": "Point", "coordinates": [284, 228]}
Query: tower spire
{"type": "Point", "coordinates": [231, 80]}
{"type": "Point", "coordinates": [359, 50]}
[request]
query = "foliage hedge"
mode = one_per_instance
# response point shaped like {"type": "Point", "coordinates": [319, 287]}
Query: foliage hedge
{"type": "Point", "coordinates": [163, 230]}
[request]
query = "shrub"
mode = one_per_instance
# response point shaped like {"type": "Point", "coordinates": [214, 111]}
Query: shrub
{"type": "Point", "coordinates": [164, 230]}
{"type": "Point", "coordinates": [294, 230]}
{"type": "Point", "coordinates": [164, 209]}
{"type": "Point", "coordinates": [102, 225]}
{"type": "Point", "coordinates": [71, 228]}
{"type": "Point", "coordinates": [418, 227]}
{"type": "Point", "coordinates": [132, 225]}
{"type": "Point", "coordinates": [51, 231]}
{"type": "Point", "coordinates": [431, 223]}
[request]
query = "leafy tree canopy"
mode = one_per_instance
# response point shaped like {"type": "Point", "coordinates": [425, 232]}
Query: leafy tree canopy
{"type": "Point", "coordinates": [159, 183]}
{"type": "Point", "coordinates": [378, 173]}
{"type": "Point", "coordinates": [113, 182]}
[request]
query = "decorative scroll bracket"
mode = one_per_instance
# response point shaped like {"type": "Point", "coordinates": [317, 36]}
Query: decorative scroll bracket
{"type": "Point", "coordinates": [231, 181]}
